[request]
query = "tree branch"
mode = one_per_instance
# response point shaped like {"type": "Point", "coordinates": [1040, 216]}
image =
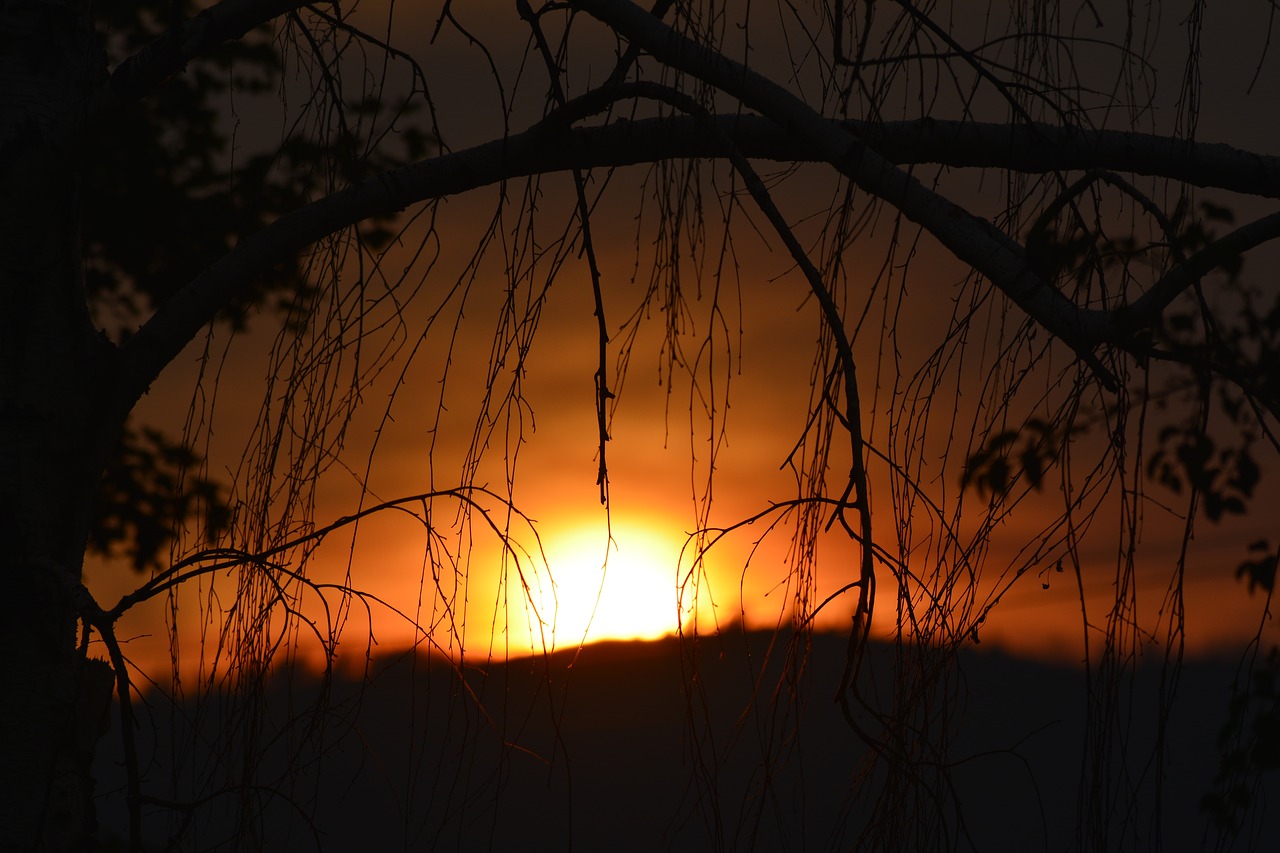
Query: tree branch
{"type": "Point", "coordinates": [1031, 148]}
{"type": "Point", "coordinates": [552, 146]}
{"type": "Point", "coordinates": [971, 239]}
{"type": "Point", "coordinates": [1040, 148]}
{"type": "Point", "coordinates": [1147, 308]}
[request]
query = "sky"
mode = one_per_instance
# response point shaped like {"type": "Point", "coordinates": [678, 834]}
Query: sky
{"type": "Point", "coordinates": [413, 432]}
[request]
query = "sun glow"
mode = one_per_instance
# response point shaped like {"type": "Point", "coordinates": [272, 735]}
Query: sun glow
{"type": "Point", "coordinates": [630, 593]}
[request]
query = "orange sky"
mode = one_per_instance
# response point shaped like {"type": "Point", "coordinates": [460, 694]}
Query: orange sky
{"type": "Point", "coordinates": [487, 608]}
{"type": "Point", "coordinates": [658, 458]}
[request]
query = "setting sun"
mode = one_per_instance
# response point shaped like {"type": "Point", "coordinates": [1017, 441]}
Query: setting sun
{"type": "Point", "coordinates": [631, 594]}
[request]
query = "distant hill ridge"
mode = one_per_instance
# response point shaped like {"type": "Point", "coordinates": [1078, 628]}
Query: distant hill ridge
{"type": "Point", "coordinates": [666, 744]}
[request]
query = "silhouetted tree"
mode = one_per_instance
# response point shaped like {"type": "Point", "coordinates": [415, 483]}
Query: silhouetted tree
{"type": "Point", "coordinates": [1112, 352]}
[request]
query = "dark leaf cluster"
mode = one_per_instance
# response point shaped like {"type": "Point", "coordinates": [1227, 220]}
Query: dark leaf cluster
{"type": "Point", "coordinates": [161, 197]}
{"type": "Point", "coordinates": [1223, 477]}
{"type": "Point", "coordinates": [1259, 572]}
{"type": "Point", "coordinates": [1250, 744]}
{"type": "Point", "coordinates": [169, 189]}
{"type": "Point", "coordinates": [149, 490]}
{"type": "Point", "coordinates": [1244, 347]}
{"type": "Point", "coordinates": [1014, 455]}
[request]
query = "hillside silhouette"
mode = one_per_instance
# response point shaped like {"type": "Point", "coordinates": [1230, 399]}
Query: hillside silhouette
{"type": "Point", "coordinates": [602, 748]}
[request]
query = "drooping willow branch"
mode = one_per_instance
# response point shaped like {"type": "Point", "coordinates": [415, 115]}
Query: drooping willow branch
{"type": "Point", "coordinates": [215, 560]}
{"type": "Point", "coordinates": [852, 419]}
{"type": "Point", "coordinates": [603, 394]}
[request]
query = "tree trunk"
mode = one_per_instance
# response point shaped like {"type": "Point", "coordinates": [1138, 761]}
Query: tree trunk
{"type": "Point", "coordinates": [50, 428]}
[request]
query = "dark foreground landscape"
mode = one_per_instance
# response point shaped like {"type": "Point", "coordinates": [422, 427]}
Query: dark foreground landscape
{"type": "Point", "coordinates": [617, 753]}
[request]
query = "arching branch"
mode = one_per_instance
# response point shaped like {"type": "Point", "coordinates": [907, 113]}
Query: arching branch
{"type": "Point", "coordinates": [548, 148]}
